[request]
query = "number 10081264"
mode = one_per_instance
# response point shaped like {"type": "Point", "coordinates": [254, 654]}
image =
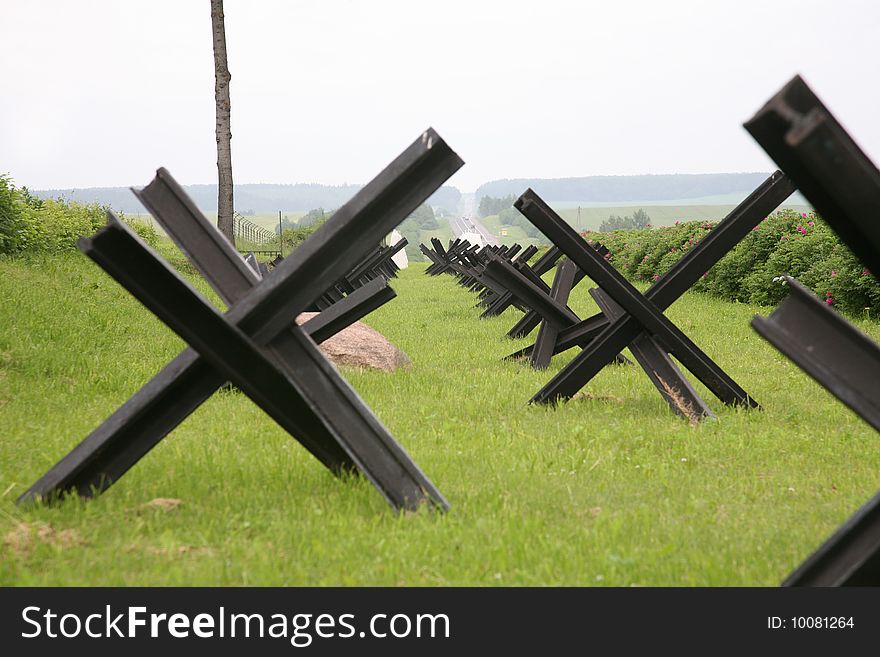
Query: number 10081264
{"type": "Point", "coordinates": [811, 623]}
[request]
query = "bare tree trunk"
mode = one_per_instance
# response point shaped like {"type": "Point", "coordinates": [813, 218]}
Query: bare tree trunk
{"type": "Point", "coordinates": [224, 129]}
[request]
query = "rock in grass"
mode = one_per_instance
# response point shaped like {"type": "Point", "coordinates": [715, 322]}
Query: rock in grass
{"type": "Point", "coordinates": [360, 346]}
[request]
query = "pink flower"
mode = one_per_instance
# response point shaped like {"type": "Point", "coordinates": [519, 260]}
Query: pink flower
{"type": "Point", "coordinates": [755, 228]}
{"type": "Point", "coordinates": [803, 214]}
{"type": "Point", "coordinates": [810, 223]}
{"type": "Point", "coordinates": [833, 273]}
{"type": "Point", "coordinates": [865, 272]}
{"type": "Point", "coordinates": [829, 301]}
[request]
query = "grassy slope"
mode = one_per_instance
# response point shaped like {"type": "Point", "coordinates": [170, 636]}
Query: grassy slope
{"type": "Point", "coordinates": [612, 490]}
{"type": "Point", "coordinates": [443, 232]}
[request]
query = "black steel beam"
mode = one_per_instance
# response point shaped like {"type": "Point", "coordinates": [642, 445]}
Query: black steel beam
{"type": "Point", "coordinates": [532, 319]}
{"type": "Point", "coordinates": [823, 344]}
{"type": "Point", "coordinates": [558, 314]}
{"type": "Point", "coordinates": [850, 557]}
{"type": "Point", "coordinates": [347, 311]}
{"type": "Point", "coordinates": [829, 168]}
{"type": "Point", "coordinates": [497, 303]}
{"type": "Point", "coordinates": [204, 246]}
{"type": "Point", "coordinates": [563, 282]}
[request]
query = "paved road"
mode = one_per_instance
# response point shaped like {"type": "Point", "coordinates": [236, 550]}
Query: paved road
{"type": "Point", "coordinates": [461, 225]}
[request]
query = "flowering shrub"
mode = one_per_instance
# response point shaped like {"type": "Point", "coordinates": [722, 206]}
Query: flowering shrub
{"type": "Point", "coordinates": [786, 242]}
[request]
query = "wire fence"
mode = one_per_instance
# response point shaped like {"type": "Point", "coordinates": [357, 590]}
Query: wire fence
{"type": "Point", "coordinates": [249, 235]}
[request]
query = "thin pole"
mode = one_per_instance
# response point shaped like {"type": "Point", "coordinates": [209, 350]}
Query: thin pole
{"type": "Point", "coordinates": [280, 238]}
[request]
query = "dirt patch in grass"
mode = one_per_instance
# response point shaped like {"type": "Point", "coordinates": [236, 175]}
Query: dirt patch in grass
{"type": "Point", "coordinates": [25, 537]}
{"type": "Point", "coordinates": [171, 551]}
{"type": "Point", "coordinates": [584, 395]}
{"type": "Point", "coordinates": [163, 504]}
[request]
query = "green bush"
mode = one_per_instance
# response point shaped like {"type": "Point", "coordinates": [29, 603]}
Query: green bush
{"type": "Point", "coordinates": [293, 237]}
{"type": "Point", "coordinates": [29, 224]}
{"type": "Point", "coordinates": [13, 202]}
{"type": "Point", "coordinates": [786, 242]}
{"type": "Point", "coordinates": [144, 230]}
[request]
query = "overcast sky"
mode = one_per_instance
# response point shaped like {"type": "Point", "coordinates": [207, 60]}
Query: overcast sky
{"type": "Point", "coordinates": [101, 93]}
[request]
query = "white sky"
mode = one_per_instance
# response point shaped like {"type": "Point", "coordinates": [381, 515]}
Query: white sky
{"type": "Point", "coordinates": [100, 93]}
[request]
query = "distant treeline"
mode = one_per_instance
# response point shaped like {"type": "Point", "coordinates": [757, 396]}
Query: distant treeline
{"type": "Point", "coordinates": [490, 205]}
{"type": "Point", "coordinates": [249, 199]}
{"type": "Point", "coordinates": [666, 187]}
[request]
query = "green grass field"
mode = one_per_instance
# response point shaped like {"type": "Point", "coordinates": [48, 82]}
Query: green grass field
{"type": "Point", "coordinates": [609, 489]}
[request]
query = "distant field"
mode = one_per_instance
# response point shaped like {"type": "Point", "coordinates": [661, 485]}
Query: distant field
{"type": "Point", "coordinates": [718, 199]}
{"type": "Point", "coordinates": [268, 221]}
{"type": "Point", "coordinates": [661, 215]}
{"type": "Point", "coordinates": [514, 233]}
{"type": "Point", "coordinates": [591, 218]}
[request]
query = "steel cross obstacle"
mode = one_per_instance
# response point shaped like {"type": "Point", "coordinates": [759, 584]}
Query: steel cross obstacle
{"type": "Point", "coordinates": [377, 263]}
{"type": "Point", "coordinates": [443, 259]}
{"type": "Point", "coordinates": [471, 268]}
{"type": "Point", "coordinates": [547, 303]}
{"type": "Point", "coordinates": [532, 319]}
{"type": "Point", "coordinates": [563, 282]}
{"type": "Point", "coordinates": [841, 182]}
{"type": "Point", "coordinates": [605, 337]}
{"type": "Point", "coordinates": [496, 304]}
{"type": "Point", "coordinates": [468, 263]}
{"type": "Point", "coordinates": [256, 345]}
